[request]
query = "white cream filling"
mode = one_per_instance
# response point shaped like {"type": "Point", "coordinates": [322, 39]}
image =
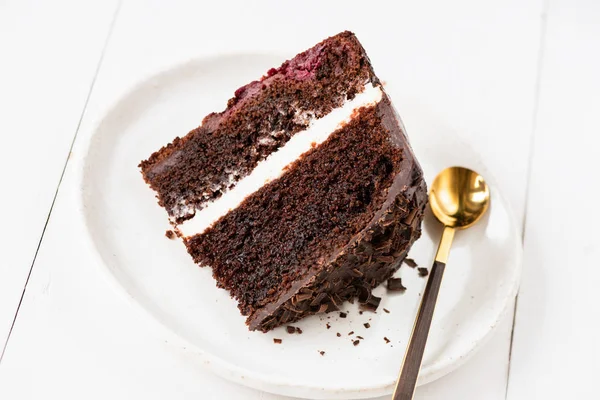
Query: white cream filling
{"type": "Point", "coordinates": [275, 164]}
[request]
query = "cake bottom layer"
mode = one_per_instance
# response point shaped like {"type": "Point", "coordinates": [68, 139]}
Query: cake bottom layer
{"type": "Point", "coordinates": [352, 273]}
{"type": "Point", "coordinates": [335, 225]}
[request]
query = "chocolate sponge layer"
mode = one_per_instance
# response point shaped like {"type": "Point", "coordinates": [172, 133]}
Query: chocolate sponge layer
{"type": "Point", "coordinates": [261, 117]}
{"type": "Point", "coordinates": [334, 226]}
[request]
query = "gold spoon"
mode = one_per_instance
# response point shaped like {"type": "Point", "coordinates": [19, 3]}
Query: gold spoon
{"type": "Point", "coordinates": [458, 198]}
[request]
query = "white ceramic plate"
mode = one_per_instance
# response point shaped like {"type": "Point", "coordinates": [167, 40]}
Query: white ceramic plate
{"type": "Point", "coordinates": [127, 228]}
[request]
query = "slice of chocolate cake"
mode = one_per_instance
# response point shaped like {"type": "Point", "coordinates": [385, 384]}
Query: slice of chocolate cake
{"type": "Point", "coordinates": [303, 193]}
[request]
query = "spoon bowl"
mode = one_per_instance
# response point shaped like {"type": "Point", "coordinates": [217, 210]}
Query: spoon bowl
{"type": "Point", "coordinates": [459, 197]}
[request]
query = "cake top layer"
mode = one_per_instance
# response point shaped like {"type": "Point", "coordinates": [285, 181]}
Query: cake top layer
{"type": "Point", "coordinates": [194, 170]}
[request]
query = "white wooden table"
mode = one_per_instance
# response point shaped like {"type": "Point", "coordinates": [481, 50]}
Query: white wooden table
{"type": "Point", "coordinates": [519, 79]}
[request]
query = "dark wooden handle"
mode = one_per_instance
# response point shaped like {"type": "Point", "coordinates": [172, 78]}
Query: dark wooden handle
{"type": "Point", "coordinates": [407, 381]}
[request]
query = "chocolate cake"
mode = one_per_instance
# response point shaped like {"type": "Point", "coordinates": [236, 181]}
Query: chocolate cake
{"type": "Point", "coordinates": [303, 193]}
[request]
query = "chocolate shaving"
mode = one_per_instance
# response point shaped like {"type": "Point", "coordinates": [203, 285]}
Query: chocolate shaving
{"type": "Point", "coordinates": [298, 331]}
{"type": "Point", "coordinates": [395, 285]}
{"type": "Point", "coordinates": [338, 334]}
{"type": "Point", "coordinates": [386, 310]}
{"type": "Point", "coordinates": [363, 294]}
{"type": "Point", "coordinates": [327, 325]}
{"type": "Point", "coordinates": [321, 352]}
{"type": "Point", "coordinates": [385, 259]}
{"type": "Point", "coordinates": [270, 320]}
{"type": "Point", "coordinates": [319, 299]}
{"type": "Point", "coordinates": [386, 339]}
{"type": "Point", "coordinates": [290, 306]}
{"type": "Point", "coordinates": [367, 325]}
{"type": "Point", "coordinates": [291, 329]}
{"type": "Point", "coordinates": [343, 315]}
{"type": "Point", "coordinates": [372, 304]}
{"type": "Point", "coordinates": [410, 262]}
{"type": "Point", "coordinates": [170, 234]}
{"type": "Point", "coordinates": [347, 293]}
{"type": "Point", "coordinates": [323, 308]}
{"type": "Point", "coordinates": [355, 272]}
{"type": "Point", "coordinates": [277, 341]}
{"type": "Point", "coordinates": [302, 296]}
{"type": "Point", "coordinates": [350, 333]}
{"type": "Point", "coordinates": [411, 216]}
{"type": "Point", "coordinates": [356, 342]}
{"type": "Point", "coordinates": [285, 317]}
{"type": "Point", "coordinates": [367, 248]}
{"type": "Point", "coordinates": [337, 300]}
{"type": "Point", "coordinates": [423, 271]}
{"type": "Point", "coordinates": [383, 246]}
{"type": "Point", "coordinates": [359, 337]}
{"type": "Point", "coordinates": [306, 290]}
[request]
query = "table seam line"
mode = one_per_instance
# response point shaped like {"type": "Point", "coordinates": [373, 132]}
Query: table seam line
{"type": "Point", "coordinates": [64, 169]}
{"type": "Point", "coordinates": [535, 112]}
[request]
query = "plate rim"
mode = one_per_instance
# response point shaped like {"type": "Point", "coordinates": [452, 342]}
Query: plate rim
{"type": "Point", "coordinates": [214, 363]}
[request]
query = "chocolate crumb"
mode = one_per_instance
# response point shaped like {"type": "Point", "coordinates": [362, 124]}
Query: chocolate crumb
{"type": "Point", "coordinates": [277, 341]}
{"type": "Point", "coordinates": [343, 315]}
{"type": "Point", "coordinates": [327, 325]}
{"type": "Point", "coordinates": [395, 285]}
{"type": "Point", "coordinates": [298, 331]}
{"type": "Point", "coordinates": [359, 337]}
{"type": "Point", "coordinates": [367, 325]}
{"type": "Point", "coordinates": [386, 310]}
{"type": "Point", "coordinates": [170, 234]}
{"type": "Point", "coordinates": [356, 342]}
{"type": "Point", "coordinates": [410, 262]}
{"type": "Point", "coordinates": [386, 340]}
{"type": "Point", "coordinates": [322, 352]}
{"type": "Point", "coordinates": [350, 333]}
{"type": "Point", "coordinates": [291, 329]}
{"type": "Point", "coordinates": [423, 271]}
{"type": "Point", "coordinates": [360, 312]}
{"type": "Point", "coordinates": [338, 334]}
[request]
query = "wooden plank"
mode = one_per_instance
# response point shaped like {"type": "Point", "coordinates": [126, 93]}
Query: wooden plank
{"type": "Point", "coordinates": [482, 377]}
{"type": "Point", "coordinates": [555, 349]}
{"type": "Point", "coordinates": [49, 56]}
{"type": "Point", "coordinates": [456, 60]}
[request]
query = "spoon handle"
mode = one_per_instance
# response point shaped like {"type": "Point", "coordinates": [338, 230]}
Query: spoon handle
{"type": "Point", "coordinates": [407, 381]}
